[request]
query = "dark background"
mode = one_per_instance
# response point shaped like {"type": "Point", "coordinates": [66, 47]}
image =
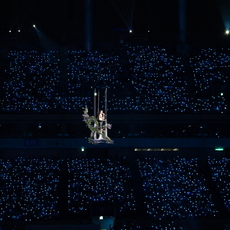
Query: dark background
{"type": "Point", "coordinates": [64, 19]}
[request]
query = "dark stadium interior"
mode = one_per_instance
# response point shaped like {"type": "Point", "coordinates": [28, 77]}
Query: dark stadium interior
{"type": "Point", "coordinates": [164, 66]}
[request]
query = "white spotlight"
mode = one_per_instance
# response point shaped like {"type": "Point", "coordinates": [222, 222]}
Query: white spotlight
{"type": "Point", "coordinates": [19, 31]}
{"type": "Point", "coordinates": [227, 32]}
{"type": "Point", "coordinates": [34, 25]}
{"type": "Point", "coordinates": [10, 31]}
{"type": "Point", "coordinates": [130, 31]}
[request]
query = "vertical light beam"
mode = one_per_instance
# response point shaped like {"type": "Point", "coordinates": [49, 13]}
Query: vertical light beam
{"type": "Point", "coordinates": [182, 21]}
{"type": "Point", "coordinates": [88, 24]}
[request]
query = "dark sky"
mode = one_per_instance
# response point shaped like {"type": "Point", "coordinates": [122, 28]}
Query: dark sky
{"type": "Point", "coordinates": [67, 16]}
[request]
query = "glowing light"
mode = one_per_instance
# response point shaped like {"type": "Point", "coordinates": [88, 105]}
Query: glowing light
{"type": "Point", "coordinates": [82, 149]}
{"type": "Point", "coordinates": [101, 217]}
{"type": "Point", "coordinates": [227, 32]}
{"type": "Point", "coordinates": [34, 25]}
{"type": "Point", "coordinates": [219, 149]}
{"type": "Point", "coordinates": [130, 31]}
{"type": "Point", "coordinates": [10, 31]}
{"type": "Point", "coordinates": [19, 31]}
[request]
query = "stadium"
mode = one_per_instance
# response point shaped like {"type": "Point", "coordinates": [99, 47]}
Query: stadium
{"type": "Point", "coordinates": [115, 115]}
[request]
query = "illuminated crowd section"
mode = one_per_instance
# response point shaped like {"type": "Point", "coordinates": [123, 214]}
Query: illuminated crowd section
{"type": "Point", "coordinates": [174, 189]}
{"type": "Point", "coordinates": [153, 226]}
{"type": "Point", "coordinates": [220, 175]}
{"type": "Point", "coordinates": [168, 189]}
{"type": "Point", "coordinates": [99, 180]}
{"type": "Point", "coordinates": [29, 189]}
{"type": "Point", "coordinates": [139, 78]}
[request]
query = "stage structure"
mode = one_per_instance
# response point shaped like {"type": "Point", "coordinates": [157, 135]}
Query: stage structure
{"type": "Point", "coordinates": [99, 128]}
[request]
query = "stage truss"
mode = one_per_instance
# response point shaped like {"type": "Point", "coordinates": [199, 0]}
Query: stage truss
{"type": "Point", "coordinates": [99, 133]}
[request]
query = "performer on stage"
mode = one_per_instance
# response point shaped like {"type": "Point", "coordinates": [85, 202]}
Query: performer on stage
{"type": "Point", "coordinates": [101, 118]}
